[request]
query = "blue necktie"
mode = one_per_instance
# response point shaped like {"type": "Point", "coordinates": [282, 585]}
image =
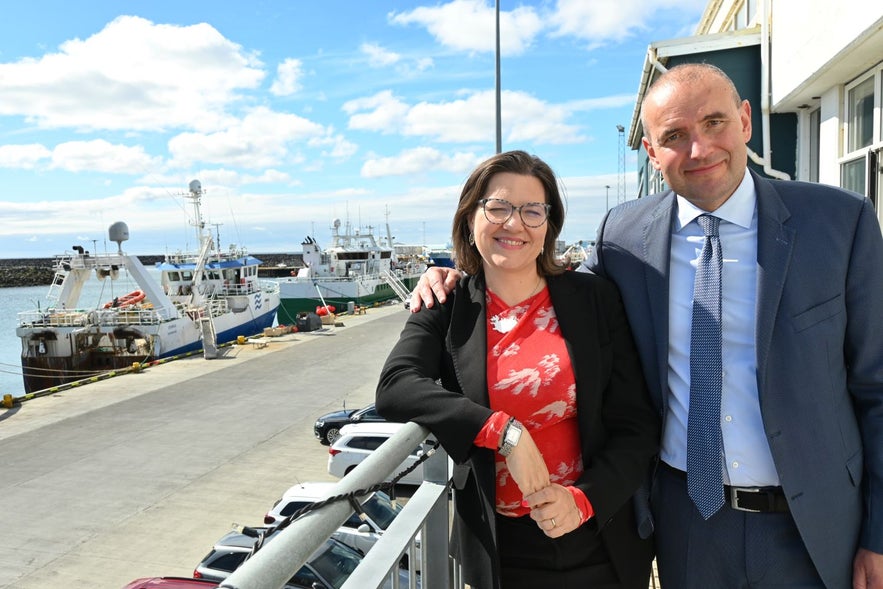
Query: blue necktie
{"type": "Point", "coordinates": [705, 482]}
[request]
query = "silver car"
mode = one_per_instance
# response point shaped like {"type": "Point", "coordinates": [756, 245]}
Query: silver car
{"type": "Point", "coordinates": [327, 568]}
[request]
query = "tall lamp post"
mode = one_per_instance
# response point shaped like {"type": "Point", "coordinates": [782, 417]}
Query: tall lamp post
{"type": "Point", "coordinates": [499, 101]}
{"type": "Point", "coordinates": [608, 196]}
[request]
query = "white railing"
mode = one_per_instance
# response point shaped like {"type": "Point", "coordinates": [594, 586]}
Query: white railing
{"type": "Point", "coordinates": [397, 285]}
{"type": "Point", "coordinates": [426, 512]}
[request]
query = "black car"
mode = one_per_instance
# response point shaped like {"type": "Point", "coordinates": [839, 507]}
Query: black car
{"type": "Point", "coordinates": [327, 427]}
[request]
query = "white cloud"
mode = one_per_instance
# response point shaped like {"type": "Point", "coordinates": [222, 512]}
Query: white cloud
{"type": "Point", "coordinates": [25, 157]}
{"type": "Point", "coordinates": [419, 160]}
{"type": "Point", "coordinates": [99, 155]}
{"type": "Point", "coordinates": [386, 113]}
{"type": "Point", "coordinates": [132, 75]}
{"type": "Point", "coordinates": [334, 145]}
{"type": "Point", "coordinates": [378, 56]}
{"type": "Point", "coordinates": [288, 76]}
{"type": "Point", "coordinates": [259, 140]}
{"type": "Point", "coordinates": [601, 21]}
{"type": "Point", "coordinates": [468, 119]}
{"type": "Point", "coordinates": [470, 25]}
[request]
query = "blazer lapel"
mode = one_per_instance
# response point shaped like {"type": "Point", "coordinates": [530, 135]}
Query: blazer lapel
{"type": "Point", "coordinates": [775, 243]}
{"type": "Point", "coordinates": [657, 245]}
{"type": "Point", "coordinates": [467, 338]}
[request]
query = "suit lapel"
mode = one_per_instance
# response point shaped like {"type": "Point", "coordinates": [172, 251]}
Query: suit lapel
{"type": "Point", "coordinates": [775, 243]}
{"type": "Point", "coordinates": [657, 245]}
{"type": "Point", "coordinates": [467, 338]}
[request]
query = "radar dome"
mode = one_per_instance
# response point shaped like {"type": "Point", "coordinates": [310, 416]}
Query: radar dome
{"type": "Point", "coordinates": [118, 232]}
{"type": "Point", "coordinates": [195, 186]}
{"type": "Point", "coordinates": [335, 223]}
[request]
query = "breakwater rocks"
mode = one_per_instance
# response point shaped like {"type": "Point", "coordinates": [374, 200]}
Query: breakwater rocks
{"type": "Point", "coordinates": [39, 271]}
{"type": "Point", "coordinates": [25, 272]}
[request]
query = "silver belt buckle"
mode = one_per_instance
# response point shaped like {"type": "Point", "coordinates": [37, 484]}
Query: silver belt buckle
{"type": "Point", "coordinates": [734, 498]}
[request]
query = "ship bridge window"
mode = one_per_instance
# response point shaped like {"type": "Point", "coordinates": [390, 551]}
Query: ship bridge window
{"type": "Point", "coordinates": [174, 276]}
{"type": "Point", "coordinates": [187, 275]}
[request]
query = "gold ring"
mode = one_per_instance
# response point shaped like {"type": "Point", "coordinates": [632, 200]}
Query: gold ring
{"type": "Point", "coordinates": [554, 525]}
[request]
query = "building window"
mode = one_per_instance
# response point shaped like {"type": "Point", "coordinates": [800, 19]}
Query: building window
{"type": "Point", "coordinates": [860, 102]}
{"type": "Point", "coordinates": [863, 134]}
{"type": "Point", "coordinates": [852, 175]}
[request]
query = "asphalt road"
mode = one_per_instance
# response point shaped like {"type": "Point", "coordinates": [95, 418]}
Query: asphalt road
{"type": "Point", "coordinates": [138, 475]}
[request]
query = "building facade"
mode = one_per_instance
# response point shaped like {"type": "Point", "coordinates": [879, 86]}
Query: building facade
{"type": "Point", "coordinates": [813, 73]}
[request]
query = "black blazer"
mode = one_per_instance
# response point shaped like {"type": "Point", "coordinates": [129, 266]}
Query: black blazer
{"type": "Point", "coordinates": [436, 376]}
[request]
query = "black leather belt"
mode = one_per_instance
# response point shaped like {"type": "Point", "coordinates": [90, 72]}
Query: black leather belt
{"type": "Point", "coordinates": [752, 499]}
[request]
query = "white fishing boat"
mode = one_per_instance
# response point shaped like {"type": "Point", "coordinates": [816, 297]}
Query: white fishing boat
{"type": "Point", "coordinates": [576, 254]}
{"type": "Point", "coordinates": [354, 269]}
{"type": "Point", "coordinates": [202, 299]}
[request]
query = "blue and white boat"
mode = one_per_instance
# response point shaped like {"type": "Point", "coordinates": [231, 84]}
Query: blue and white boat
{"type": "Point", "coordinates": [202, 300]}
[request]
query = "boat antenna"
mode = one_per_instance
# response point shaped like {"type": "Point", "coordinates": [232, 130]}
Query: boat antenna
{"type": "Point", "coordinates": [217, 235]}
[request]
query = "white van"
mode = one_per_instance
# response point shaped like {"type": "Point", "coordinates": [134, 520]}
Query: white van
{"type": "Point", "coordinates": [358, 440]}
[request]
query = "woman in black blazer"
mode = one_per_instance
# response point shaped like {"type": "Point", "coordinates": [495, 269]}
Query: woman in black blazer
{"type": "Point", "coordinates": [529, 378]}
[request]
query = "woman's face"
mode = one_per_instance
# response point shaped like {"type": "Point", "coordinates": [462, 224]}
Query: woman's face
{"type": "Point", "coordinates": [510, 246]}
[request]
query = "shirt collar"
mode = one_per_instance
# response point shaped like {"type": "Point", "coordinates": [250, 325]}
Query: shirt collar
{"type": "Point", "coordinates": [738, 209]}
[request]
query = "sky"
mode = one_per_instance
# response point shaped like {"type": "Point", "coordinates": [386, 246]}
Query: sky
{"type": "Point", "coordinates": [294, 113]}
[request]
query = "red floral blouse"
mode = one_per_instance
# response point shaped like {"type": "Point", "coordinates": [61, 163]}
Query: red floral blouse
{"type": "Point", "coordinates": [530, 378]}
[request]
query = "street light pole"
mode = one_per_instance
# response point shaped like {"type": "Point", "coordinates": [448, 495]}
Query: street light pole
{"type": "Point", "coordinates": [499, 101]}
{"type": "Point", "coordinates": [608, 196]}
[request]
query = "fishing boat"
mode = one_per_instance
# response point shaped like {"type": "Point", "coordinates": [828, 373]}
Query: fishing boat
{"type": "Point", "coordinates": [201, 300]}
{"type": "Point", "coordinates": [440, 257]}
{"type": "Point", "coordinates": [355, 268]}
{"type": "Point", "coordinates": [575, 254]}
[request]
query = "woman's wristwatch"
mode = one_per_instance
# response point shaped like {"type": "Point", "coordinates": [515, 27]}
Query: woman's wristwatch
{"type": "Point", "coordinates": [511, 435]}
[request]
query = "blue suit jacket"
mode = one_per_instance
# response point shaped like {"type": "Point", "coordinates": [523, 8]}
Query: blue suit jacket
{"type": "Point", "coordinates": [819, 326]}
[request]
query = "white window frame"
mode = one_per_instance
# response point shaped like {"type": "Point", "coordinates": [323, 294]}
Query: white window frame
{"type": "Point", "coordinates": [851, 157]}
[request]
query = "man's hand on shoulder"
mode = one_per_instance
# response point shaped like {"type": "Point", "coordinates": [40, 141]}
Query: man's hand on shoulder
{"type": "Point", "coordinates": [437, 281]}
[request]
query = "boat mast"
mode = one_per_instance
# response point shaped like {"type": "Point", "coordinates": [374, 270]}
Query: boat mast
{"type": "Point", "coordinates": [195, 196]}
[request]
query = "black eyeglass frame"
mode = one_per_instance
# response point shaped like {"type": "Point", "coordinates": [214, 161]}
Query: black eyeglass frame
{"type": "Point", "coordinates": [483, 202]}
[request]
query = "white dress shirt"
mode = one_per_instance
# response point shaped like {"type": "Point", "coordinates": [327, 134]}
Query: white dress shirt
{"type": "Point", "coordinates": [746, 452]}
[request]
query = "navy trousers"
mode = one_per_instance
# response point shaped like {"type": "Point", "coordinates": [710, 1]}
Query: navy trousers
{"type": "Point", "coordinates": [731, 550]}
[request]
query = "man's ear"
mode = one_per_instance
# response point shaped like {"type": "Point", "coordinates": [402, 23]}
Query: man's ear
{"type": "Point", "coordinates": [651, 153]}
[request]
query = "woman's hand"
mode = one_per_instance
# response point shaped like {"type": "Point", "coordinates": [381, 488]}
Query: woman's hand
{"type": "Point", "coordinates": [527, 467]}
{"type": "Point", "coordinates": [554, 510]}
{"type": "Point", "coordinates": [437, 280]}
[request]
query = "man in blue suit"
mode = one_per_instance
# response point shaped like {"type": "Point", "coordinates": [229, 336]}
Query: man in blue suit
{"type": "Point", "coordinates": [802, 403]}
{"type": "Point", "coordinates": [802, 315]}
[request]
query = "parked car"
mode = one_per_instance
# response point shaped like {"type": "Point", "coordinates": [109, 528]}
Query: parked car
{"type": "Point", "coordinates": [357, 441]}
{"type": "Point", "coordinates": [327, 427]}
{"type": "Point", "coordinates": [379, 512]}
{"type": "Point", "coordinates": [327, 568]}
{"type": "Point", "coordinates": [171, 583]}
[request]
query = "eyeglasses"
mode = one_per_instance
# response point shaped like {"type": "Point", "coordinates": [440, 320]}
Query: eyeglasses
{"type": "Point", "coordinates": [498, 211]}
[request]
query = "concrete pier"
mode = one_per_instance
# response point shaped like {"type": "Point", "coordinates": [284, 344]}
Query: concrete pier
{"type": "Point", "coordinates": [138, 475]}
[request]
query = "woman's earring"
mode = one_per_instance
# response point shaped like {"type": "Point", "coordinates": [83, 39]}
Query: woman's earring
{"type": "Point", "coordinates": [471, 239]}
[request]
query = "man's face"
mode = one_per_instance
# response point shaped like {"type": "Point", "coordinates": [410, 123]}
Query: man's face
{"type": "Point", "coordinates": [695, 134]}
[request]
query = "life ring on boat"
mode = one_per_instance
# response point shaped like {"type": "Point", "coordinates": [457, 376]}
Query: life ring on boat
{"type": "Point", "coordinates": [136, 296]}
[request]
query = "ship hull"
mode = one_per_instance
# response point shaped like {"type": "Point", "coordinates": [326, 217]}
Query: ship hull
{"type": "Point", "coordinates": [69, 361]}
{"type": "Point", "coordinates": [302, 295]}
